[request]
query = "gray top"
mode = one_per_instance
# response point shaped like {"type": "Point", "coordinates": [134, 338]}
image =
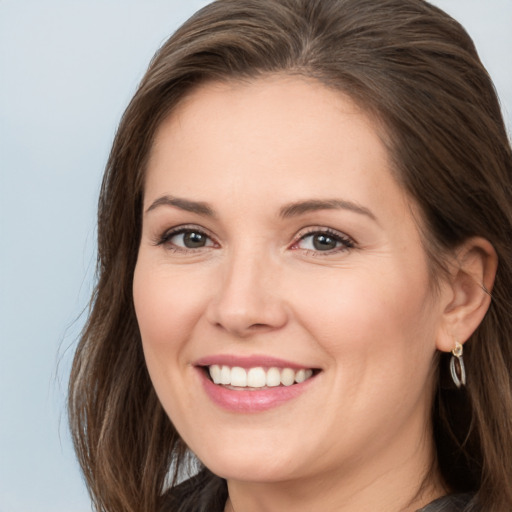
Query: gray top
{"type": "Point", "coordinates": [206, 492]}
{"type": "Point", "coordinates": [450, 503]}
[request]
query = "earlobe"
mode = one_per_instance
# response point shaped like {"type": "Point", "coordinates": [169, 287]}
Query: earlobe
{"type": "Point", "coordinates": [470, 285]}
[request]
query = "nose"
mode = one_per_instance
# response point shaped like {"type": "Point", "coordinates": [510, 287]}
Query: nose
{"type": "Point", "coordinates": [248, 298]}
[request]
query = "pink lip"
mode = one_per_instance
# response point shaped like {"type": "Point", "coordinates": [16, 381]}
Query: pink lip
{"type": "Point", "coordinates": [247, 361]}
{"type": "Point", "coordinates": [251, 401]}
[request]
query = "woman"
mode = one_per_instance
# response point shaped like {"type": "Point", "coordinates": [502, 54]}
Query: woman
{"type": "Point", "coordinates": [304, 270]}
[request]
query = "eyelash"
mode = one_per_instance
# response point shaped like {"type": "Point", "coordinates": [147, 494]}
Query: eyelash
{"type": "Point", "coordinates": [165, 238]}
{"type": "Point", "coordinates": [345, 242]}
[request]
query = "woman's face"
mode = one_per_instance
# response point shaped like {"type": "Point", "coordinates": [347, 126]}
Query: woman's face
{"type": "Point", "coordinates": [277, 247]}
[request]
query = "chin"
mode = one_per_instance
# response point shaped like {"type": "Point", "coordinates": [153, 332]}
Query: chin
{"type": "Point", "coordinates": [250, 464]}
{"type": "Point", "coordinates": [257, 470]}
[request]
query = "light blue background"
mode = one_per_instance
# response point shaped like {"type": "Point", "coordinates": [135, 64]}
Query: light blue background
{"type": "Point", "coordinates": [67, 70]}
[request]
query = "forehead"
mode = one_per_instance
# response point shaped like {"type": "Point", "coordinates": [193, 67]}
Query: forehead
{"type": "Point", "coordinates": [274, 102]}
{"type": "Point", "coordinates": [281, 137]}
{"type": "Point", "coordinates": [272, 124]}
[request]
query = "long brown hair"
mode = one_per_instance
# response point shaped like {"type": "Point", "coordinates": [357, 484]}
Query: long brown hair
{"type": "Point", "coordinates": [414, 69]}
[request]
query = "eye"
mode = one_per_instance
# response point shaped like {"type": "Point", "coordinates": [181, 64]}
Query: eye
{"type": "Point", "coordinates": [186, 238]}
{"type": "Point", "coordinates": [190, 239]}
{"type": "Point", "coordinates": [324, 240]}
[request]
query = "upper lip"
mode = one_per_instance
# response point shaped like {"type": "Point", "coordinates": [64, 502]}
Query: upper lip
{"type": "Point", "coordinates": [248, 361]}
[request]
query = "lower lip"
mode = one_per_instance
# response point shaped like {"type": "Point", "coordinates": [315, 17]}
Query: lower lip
{"type": "Point", "coordinates": [254, 400]}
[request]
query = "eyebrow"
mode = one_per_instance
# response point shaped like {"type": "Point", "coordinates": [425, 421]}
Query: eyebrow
{"type": "Point", "coordinates": [183, 204]}
{"type": "Point", "coordinates": [290, 210]}
{"type": "Point", "coordinates": [311, 205]}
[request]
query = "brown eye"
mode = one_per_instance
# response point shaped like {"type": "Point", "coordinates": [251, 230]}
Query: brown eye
{"type": "Point", "coordinates": [194, 240]}
{"type": "Point", "coordinates": [324, 241]}
{"type": "Point", "coordinates": [186, 238]}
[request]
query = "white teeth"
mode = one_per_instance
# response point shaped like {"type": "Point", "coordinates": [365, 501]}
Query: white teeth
{"type": "Point", "coordinates": [273, 377]}
{"type": "Point", "coordinates": [300, 376]}
{"type": "Point", "coordinates": [308, 374]}
{"type": "Point", "coordinates": [215, 373]}
{"type": "Point", "coordinates": [225, 375]}
{"type": "Point", "coordinates": [238, 377]}
{"type": "Point", "coordinates": [287, 377]}
{"type": "Point", "coordinates": [257, 377]}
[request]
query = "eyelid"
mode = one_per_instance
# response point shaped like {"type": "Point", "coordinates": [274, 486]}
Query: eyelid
{"type": "Point", "coordinates": [346, 241]}
{"type": "Point", "coordinates": [166, 235]}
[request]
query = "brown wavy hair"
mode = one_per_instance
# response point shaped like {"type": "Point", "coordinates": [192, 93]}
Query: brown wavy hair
{"type": "Point", "coordinates": [416, 70]}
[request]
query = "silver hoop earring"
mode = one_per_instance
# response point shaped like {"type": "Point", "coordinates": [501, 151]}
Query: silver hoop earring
{"type": "Point", "coordinates": [457, 366]}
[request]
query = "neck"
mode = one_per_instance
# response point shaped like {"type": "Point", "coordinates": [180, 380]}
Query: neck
{"type": "Point", "coordinates": [397, 481]}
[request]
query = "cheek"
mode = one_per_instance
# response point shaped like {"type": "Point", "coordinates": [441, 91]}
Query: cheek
{"type": "Point", "coordinates": [167, 305]}
{"type": "Point", "coordinates": [379, 334]}
{"type": "Point", "coordinates": [369, 319]}
{"type": "Point", "coordinates": [167, 309]}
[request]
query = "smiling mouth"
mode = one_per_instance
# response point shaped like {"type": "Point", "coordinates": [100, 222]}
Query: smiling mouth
{"type": "Point", "coordinates": [237, 378]}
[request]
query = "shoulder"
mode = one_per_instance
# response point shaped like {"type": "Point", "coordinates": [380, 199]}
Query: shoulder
{"type": "Point", "coordinates": [451, 503]}
{"type": "Point", "coordinates": [204, 492]}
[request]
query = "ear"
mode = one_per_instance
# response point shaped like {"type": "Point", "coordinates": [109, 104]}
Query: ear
{"type": "Point", "coordinates": [469, 292]}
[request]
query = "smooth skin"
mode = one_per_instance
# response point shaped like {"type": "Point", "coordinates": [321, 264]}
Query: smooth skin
{"type": "Point", "coordinates": [229, 264]}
